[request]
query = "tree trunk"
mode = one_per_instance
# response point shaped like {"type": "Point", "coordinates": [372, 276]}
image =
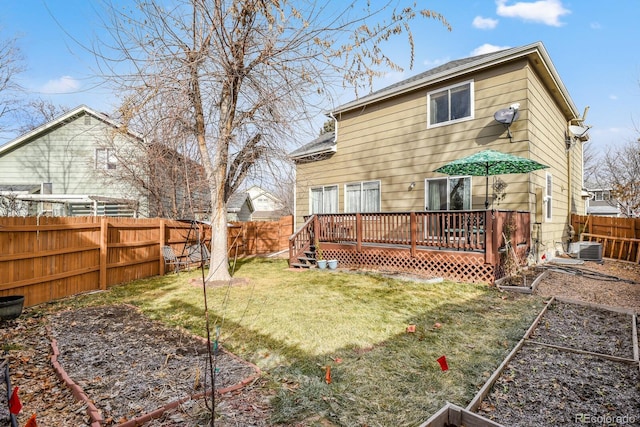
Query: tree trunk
{"type": "Point", "coordinates": [219, 266]}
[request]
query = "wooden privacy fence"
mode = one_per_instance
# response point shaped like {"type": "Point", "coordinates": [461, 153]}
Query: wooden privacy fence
{"type": "Point", "coordinates": [620, 237]}
{"type": "Point", "coordinates": [261, 237]}
{"type": "Point", "coordinates": [49, 258]}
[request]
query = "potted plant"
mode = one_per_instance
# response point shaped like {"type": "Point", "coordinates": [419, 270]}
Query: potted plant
{"type": "Point", "coordinates": [320, 261]}
{"type": "Point", "coordinates": [11, 307]}
{"type": "Point", "coordinates": [332, 264]}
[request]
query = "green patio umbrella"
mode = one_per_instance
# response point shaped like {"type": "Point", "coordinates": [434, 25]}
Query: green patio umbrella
{"type": "Point", "coordinates": [490, 162]}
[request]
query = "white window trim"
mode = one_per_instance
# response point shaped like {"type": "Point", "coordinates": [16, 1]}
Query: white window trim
{"type": "Point", "coordinates": [105, 165]}
{"type": "Point", "coordinates": [361, 183]}
{"type": "Point", "coordinates": [548, 197]}
{"type": "Point", "coordinates": [464, 119]}
{"type": "Point", "coordinates": [337, 187]}
{"type": "Point", "coordinates": [448, 178]}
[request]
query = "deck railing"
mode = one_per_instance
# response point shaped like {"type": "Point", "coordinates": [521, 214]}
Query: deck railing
{"type": "Point", "coordinates": [481, 231]}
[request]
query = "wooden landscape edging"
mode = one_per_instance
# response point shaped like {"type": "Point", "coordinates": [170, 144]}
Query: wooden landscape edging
{"type": "Point", "coordinates": [522, 289]}
{"type": "Point", "coordinates": [484, 391]}
{"type": "Point", "coordinates": [452, 415]}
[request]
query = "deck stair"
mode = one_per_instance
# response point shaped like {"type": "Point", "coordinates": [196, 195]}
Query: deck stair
{"type": "Point", "coordinates": [307, 259]}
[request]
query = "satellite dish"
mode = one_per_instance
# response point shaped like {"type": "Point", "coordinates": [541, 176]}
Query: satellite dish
{"type": "Point", "coordinates": [579, 131]}
{"type": "Point", "coordinates": [506, 116]}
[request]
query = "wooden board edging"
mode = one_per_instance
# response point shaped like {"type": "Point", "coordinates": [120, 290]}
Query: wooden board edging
{"type": "Point", "coordinates": [482, 393]}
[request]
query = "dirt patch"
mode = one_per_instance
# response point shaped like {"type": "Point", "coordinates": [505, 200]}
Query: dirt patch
{"type": "Point", "coordinates": [611, 283]}
{"type": "Point", "coordinates": [547, 387]}
{"type": "Point", "coordinates": [586, 328]}
{"type": "Point", "coordinates": [25, 344]}
{"type": "Point", "coordinates": [550, 386]}
{"type": "Point", "coordinates": [127, 365]}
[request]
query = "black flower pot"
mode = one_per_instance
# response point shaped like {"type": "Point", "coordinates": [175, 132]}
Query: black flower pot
{"type": "Point", "coordinates": [11, 307]}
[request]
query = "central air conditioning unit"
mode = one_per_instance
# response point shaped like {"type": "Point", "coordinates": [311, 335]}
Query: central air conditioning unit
{"type": "Point", "coordinates": [588, 251]}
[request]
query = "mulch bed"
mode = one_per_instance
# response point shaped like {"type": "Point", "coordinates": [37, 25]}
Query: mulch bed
{"type": "Point", "coordinates": [547, 385]}
{"type": "Point", "coordinates": [127, 366]}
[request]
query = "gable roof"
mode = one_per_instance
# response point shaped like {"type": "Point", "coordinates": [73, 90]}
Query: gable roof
{"type": "Point", "coordinates": [236, 201]}
{"type": "Point", "coordinates": [536, 52]}
{"type": "Point", "coordinates": [261, 192]}
{"type": "Point", "coordinates": [324, 144]}
{"type": "Point", "coordinates": [79, 111]}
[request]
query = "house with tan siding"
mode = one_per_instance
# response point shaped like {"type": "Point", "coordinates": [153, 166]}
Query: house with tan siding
{"type": "Point", "coordinates": [387, 145]}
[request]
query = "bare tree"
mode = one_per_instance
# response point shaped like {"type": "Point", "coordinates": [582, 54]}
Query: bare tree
{"type": "Point", "coordinates": [621, 169]}
{"type": "Point", "coordinates": [38, 112]}
{"type": "Point", "coordinates": [11, 65]}
{"type": "Point", "coordinates": [159, 166]}
{"type": "Point", "coordinates": [244, 72]}
{"type": "Point", "coordinates": [590, 164]}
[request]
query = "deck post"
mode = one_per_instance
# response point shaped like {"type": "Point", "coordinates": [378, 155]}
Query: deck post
{"type": "Point", "coordinates": [413, 224]}
{"type": "Point", "coordinates": [316, 230]}
{"type": "Point", "coordinates": [489, 241]}
{"type": "Point", "coordinates": [358, 232]}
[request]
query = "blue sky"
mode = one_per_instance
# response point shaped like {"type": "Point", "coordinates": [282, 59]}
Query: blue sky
{"type": "Point", "coordinates": [593, 45]}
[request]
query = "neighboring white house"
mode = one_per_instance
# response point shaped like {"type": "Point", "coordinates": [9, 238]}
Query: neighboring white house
{"type": "Point", "coordinates": [267, 206]}
{"type": "Point", "coordinates": [601, 203]}
{"type": "Point", "coordinates": [56, 169]}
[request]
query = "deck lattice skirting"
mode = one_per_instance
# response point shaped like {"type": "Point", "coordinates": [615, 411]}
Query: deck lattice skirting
{"type": "Point", "coordinates": [459, 266]}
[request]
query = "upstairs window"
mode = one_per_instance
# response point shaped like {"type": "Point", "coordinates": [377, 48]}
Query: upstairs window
{"type": "Point", "coordinates": [105, 158]}
{"type": "Point", "coordinates": [450, 105]}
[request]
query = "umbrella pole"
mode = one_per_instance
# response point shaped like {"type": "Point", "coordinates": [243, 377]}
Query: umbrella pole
{"type": "Point", "coordinates": [486, 190]}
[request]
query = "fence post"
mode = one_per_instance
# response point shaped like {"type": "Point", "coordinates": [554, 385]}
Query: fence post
{"type": "Point", "coordinates": [161, 243]}
{"type": "Point", "coordinates": [104, 246]}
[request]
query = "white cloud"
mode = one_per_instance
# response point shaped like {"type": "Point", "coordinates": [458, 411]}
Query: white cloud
{"type": "Point", "coordinates": [542, 11]}
{"type": "Point", "coordinates": [484, 23]}
{"type": "Point", "coordinates": [595, 26]}
{"type": "Point", "coordinates": [613, 97]}
{"type": "Point", "coordinates": [487, 48]}
{"type": "Point", "coordinates": [64, 84]}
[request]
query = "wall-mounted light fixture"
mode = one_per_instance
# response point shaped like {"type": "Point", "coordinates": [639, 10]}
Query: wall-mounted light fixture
{"type": "Point", "coordinates": [412, 186]}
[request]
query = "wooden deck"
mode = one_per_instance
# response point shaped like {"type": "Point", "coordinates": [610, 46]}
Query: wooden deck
{"type": "Point", "coordinates": [458, 245]}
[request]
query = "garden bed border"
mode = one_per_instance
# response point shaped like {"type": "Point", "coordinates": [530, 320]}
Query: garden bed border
{"type": "Point", "coordinates": [95, 414]}
{"type": "Point", "coordinates": [484, 391]}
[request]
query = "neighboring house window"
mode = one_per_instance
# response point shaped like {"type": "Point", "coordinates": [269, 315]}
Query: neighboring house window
{"type": "Point", "coordinates": [362, 197]}
{"type": "Point", "coordinates": [451, 104]}
{"type": "Point", "coordinates": [603, 196]}
{"type": "Point", "coordinates": [453, 193]}
{"type": "Point", "coordinates": [105, 158]}
{"type": "Point", "coordinates": [548, 198]}
{"type": "Point", "coordinates": [324, 199]}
